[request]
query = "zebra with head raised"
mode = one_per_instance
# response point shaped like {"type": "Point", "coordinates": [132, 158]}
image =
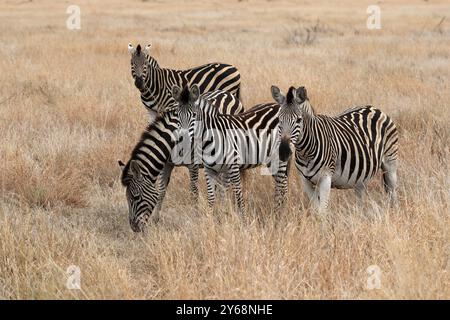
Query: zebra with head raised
{"type": "Point", "coordinates": [155, 85]}
{"type": "Point", "coordinates": [228, 144]}
{"type": "Point", "coordinates": [344, 151]}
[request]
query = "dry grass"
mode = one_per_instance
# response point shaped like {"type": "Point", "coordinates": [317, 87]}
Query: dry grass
{"type": "Point", "coordinates": [69, 110]}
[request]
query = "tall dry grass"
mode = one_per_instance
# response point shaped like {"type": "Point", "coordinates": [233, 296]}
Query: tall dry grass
{"type": "Point", "coordinates": [69, 110]}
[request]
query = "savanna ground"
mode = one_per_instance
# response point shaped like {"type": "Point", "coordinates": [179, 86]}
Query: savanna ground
{"type": "Point", "coordinates": [69, 110]}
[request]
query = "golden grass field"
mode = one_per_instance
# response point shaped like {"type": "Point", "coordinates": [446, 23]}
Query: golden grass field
{"type": "Point", "coordinates": [69, 110]}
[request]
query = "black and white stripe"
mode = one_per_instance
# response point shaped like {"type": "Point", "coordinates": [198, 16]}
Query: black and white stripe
{"type": "Point", "coordinates": [344, 151]}
{"type": "Point", "coordinates": [228, 144]}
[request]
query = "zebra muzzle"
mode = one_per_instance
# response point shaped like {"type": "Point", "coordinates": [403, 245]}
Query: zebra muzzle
{"type": "Point", "coordinates": [136, 226]}
{"type": "Point", "coordinates": [138, 82]}
{"type": "Point", "coordinates": [285, 150]}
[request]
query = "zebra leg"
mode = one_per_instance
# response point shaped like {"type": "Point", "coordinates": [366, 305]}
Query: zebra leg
{"type": "Point", "coordinates": [281, 186]}
{"type": "Point", "coordinates": [222, 187]}
{"type": "Point", "coordinates": [235, 178]}
{"type": "Point", "coordinates": [211, 180]}
{"type": "Point", "coordinates": [323, 193]}
{"type": "Point", "coordinates": [163, 183]}
{"type": "Point", "coordinates": [360, 191]}
{"type": "Point", "coordinates": [193, 185]}
{"type": "Point", "coordinates": [390, 179]}
{"type": "Point", "coordinates": [309, 188]}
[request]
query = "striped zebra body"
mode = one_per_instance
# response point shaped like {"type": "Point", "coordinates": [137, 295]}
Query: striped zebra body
{"type": "Point", "coordinates": [229, 144]}
{"type": "Point", "coordinates": [353, 146]}
{"type": "Point", "coordinates": [344, 151]}
{"type": "Point", "coordinates": [155, 85]}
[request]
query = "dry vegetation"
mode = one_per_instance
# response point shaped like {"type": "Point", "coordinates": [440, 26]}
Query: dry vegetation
{"type": "Point", "coordinates": [69, 110]}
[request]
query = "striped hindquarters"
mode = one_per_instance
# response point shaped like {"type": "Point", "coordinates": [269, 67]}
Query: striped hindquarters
{"type": "Point", "coordinates": [225, 102]}
{"type": "Point", "coordinates": [366, 137]}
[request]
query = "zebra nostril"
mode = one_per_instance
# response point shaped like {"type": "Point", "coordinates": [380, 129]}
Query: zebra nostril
{"type": "Point", "coordinates": [184, 132]}
{"type": "Point", "coordinates": [285, 150]}
{"type": "Point", "coordinates": [138, 83]}
{"type": "Point", "coordinates": [135, 226]}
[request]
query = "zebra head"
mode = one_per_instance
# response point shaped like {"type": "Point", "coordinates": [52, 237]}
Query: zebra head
{"type": "Point", "coordinates": [141, 194]}
{"type": "Point", "coordinates": [290, 117]}
{"type": "Point", "coordinates": [186, 106]}
{"type": "Point", "coordinates": [139, 65]}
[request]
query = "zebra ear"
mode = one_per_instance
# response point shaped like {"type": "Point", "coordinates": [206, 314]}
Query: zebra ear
{"type": "Point", "coordinates": [194, 93]}
{"type": "Point", "coordinates": [130, 48]}
{"type": "Point", "coordinates": [147, 48]}
{"type": "Point", "coordinates": [277, 95]}
{"type": "Point", "coordinates": [176, 93]}
{"type": "Point", "coordinates": [121, 164]}
{"type": "Point", "coordinates": [301, 94]}
{"type": "Point", "coordinates": [136, 170]}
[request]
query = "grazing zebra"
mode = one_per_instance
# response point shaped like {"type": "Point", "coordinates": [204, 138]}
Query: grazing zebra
{"type": "Point", "coordinates": [344, 151]}
{"type": "Point", "coordinates": [228, 144]}
{"type": "Point", "coordinates": [155, 83]}
{"type": "Point", "coordinates": [148, 159]}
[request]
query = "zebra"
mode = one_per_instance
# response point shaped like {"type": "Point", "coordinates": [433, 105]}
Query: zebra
{"type": "Point", "coordinates": [344, 151]}
{"type": "Point", "coordinates": [229, 144]}
{"type": "Point", "coordinates": [155, 84]}
{"type": "Point", "coordinates": [147, 161]}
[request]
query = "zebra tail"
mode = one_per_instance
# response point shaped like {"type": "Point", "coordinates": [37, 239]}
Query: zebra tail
{"type": "Point", "coordinates": [238, 95]}
{"type": "Point", "coordinates": [244, 177]}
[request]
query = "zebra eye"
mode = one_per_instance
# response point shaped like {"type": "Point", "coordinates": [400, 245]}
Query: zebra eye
{"type": "Point", "coordinates": [135, 194]}
{"type": "Point", "coordinates": [137, 197]}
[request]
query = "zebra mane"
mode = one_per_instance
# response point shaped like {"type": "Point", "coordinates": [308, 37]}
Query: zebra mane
{"type": "Point", "coordinates": [152, 62]}
{"type": "Point", "coordinates": [290, 96]}
{"type": "Point", "coordinates": [308, 108]}
{"type": "Point", "coordinates": [305, 106]}
{"type": "Point", "coordinates": [184, 96]}
{"type": "Point", "coordinates": [206, 106]}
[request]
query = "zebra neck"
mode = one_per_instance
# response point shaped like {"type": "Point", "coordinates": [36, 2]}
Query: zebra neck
{"type": "Point", "coordinates": [156, 94]}
{"type": "Point", "coordinates": [308, 143]}
{"type": "Point", "coordinates": [152, 63]}
{"type": "Point", "coordinates": [207, 108]}
{"type": "Point", "coordinates": [156, 144]}
{"type": "Point", "coordinates": [207, 111]}
{"type": "Point", "coordinates": [307, 110]}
